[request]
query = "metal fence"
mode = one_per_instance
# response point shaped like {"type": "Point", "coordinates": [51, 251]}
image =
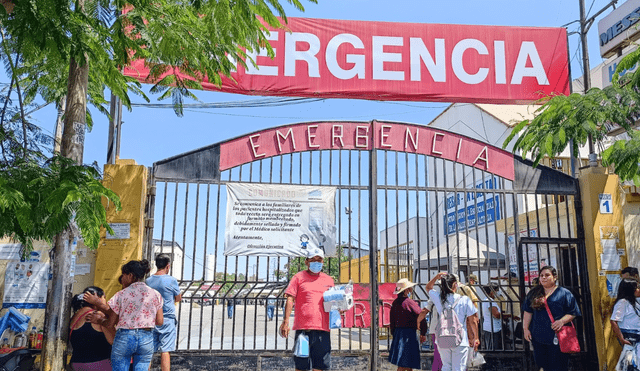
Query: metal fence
{"type": "Point", "coordinates": [409, 215]}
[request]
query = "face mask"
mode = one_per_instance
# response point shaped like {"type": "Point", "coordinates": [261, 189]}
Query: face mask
{"type": "Point", "coordinates": [315, 267]}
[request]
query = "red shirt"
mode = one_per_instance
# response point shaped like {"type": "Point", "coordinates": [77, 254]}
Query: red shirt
{"type": "Point", "coordinates": [404, 313]}
{"type": "Point", "coordinates": [307, 289]}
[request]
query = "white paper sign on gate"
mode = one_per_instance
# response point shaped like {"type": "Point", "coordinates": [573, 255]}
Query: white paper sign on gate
{"type": "Point", "coordinates": [279, 220]}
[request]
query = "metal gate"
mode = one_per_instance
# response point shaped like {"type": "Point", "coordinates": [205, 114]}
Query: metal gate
{"type": "Point", "coordinates": [404, 209]}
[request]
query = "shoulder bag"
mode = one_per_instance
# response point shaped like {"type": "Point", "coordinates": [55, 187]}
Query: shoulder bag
{"type": "Point", "coordinates": [567, 335]}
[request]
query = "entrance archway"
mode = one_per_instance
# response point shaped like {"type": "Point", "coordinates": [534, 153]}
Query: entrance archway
{"type": "Point", "coordinates": [411, 200]}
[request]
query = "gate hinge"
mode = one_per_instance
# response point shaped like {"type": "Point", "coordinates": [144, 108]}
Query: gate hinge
{"type": "Point", "coordinates": [151, 191]}
{"type": "Point", "coordinates": [148, 223]}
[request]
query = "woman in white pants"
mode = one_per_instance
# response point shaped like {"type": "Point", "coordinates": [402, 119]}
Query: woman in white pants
{"type": "Point", "coordinates": [455, 358]}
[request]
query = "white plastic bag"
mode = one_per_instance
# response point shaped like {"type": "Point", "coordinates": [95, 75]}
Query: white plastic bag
{"type": "Point", "coordinates": [628, 358]}
{"type": "Point", "coordinates": [335, 320]}
{"type": "Point", "coordinates": [301, 347]}
{"type": "Point", "coordinates": [475, 359]}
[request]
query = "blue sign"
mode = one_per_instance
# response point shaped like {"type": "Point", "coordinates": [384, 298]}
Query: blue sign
{"type": "Point", "coordinates": [471, 209]}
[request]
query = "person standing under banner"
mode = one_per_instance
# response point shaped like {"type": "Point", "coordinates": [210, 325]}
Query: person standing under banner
{"type": "Point", "coordinates": [625, 317]}
{"type": "Point", "coordinates": [231, 302]}
{"type": "Point", "coordinates": [537, 325]}
{"type": "Point", "coordinates": [430, 308]}
{"type": "Point", "coordinates": [405, 318]}
{"type": "Point", "coordinates": [164, 337]}
{"type": "Point", "coordinates": [491, 321]}
{"type": "Point", "coordinates": [91, 342]}
{"type": "Point", "coordinates": [445, 297]}
{"type": "Point", "coordinates": [271, 307]}
{"type": "Point", "coordinates": [134, 311]}
{"type": "Point", "coordinates": [306, 291]}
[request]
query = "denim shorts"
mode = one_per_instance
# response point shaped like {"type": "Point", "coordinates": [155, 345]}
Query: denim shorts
{"type": "Point", "coordinates": [164, 337]}
{"type": "Point", "coordinates": [132, 343]}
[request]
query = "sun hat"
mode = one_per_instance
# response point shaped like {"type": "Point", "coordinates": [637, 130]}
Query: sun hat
{"type": "Point", "coordinates": [313, 252]}
{"type": "Point", "coordinates": [402, 285]}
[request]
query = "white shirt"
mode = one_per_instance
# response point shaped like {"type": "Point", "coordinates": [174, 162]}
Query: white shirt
{"type": "Point", "coordinates": [487, 317]}
{"type": "Point", "coordinates": [625, 315]}
{"type": "Point", "coordinates": [463, 309]}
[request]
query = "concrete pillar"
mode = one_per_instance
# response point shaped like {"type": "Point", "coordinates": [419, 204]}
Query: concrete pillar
{"type": "Point", "coordinates": [593, 182]}
{"type": "Point", "coordinates": [129, 181]}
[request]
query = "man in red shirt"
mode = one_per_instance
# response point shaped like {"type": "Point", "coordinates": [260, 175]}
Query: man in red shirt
{"type": "Point", "coordinates": [305, 290]}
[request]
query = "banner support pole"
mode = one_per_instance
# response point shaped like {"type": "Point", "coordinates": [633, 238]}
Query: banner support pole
{"type": "Point", "coordinates": [373, 248]}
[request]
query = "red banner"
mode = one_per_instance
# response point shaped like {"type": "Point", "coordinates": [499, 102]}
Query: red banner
{"type": "Point", "coordinates": [364, 136]}
{"type": "Point", "coordinates": [360, 314]}
{"type": "Point", "coordinates": [404, 61]}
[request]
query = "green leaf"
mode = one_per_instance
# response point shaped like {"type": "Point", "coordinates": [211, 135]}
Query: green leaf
{"type": "Point", "coordinates": [549, 144]}
{"type": "Point", "coordinates": [562, 135]}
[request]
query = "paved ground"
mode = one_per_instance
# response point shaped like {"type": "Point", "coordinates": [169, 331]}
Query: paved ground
{"type": "Point", "coordinates": [249, 329]}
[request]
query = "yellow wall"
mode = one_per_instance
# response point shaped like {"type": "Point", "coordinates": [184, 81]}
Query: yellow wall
{"type": "Point", "coordinates": [594, 181]}
{"type": "Point", "coordinates": [355, 269]}
{"type": "Point", "coordinates": [129, 181]}
{"type": "Point", "coordinates": [359, 272]}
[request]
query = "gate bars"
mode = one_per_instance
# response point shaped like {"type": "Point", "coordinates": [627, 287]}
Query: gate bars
{"type": "Point", "coordinates": [421, 214]}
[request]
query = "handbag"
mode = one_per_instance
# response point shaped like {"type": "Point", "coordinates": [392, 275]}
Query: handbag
{"type": "Point", "coordinates": [567, 335]}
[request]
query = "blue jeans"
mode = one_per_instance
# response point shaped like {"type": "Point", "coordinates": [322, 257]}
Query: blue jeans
{"type": "Point", "coordinates": [270, 310]}
{"type": "Point", "coordinates": [230, 311]}
{"type": "Point", "coordinates": [128, 344]}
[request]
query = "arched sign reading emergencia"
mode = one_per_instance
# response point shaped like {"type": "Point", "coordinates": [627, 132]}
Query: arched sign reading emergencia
{"type": "Point", "coordinates": [400, 137]}
{"type": "Point", "coordinates": [403, 61]}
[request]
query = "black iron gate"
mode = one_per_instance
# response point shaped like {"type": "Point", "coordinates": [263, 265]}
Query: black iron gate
{"type": "Point", "coordinates": [399, 214]}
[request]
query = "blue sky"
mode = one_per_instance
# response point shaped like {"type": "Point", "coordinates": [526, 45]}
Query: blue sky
{"type": "Point", "coordinates": [149, 135]}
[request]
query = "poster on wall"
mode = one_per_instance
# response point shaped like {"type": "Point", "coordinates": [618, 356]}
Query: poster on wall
{"type": "Point", "coordinates": [25, 285]}
{"type": "Point", "coordinates": [279, 220]}
{"type": "Point", "coordinates": [530, 254]}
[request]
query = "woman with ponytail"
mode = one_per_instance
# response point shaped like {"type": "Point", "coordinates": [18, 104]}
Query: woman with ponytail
{"type": "Point", "coordinates": [625, 318]}
{"type": "Point", "coordinates": [445, 297]}
{"type": "Point", "coordinates": [134, 311]}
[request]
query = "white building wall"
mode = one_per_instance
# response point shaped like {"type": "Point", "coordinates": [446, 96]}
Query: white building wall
{"type": "Point", "coordinates": [209, 267]}
{"type": "Point", "coordinates": [176, 259]}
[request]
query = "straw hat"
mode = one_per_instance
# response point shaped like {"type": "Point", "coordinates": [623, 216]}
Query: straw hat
{"type": "Point", "coordinates": [402, 285]}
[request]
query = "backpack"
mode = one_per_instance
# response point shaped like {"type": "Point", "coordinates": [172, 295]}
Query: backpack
{"type": "Point", "coordinates": [449, 330]}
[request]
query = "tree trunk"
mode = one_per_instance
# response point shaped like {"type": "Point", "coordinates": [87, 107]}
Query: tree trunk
{"type": "Point", "coordinates": [61, 106]}
{"type": "Point", "coordinates": [57, 312]}
{"type": "Point", "coordinates": [59, 295]}
{"type": "Point", "coordinates": [75, 120]}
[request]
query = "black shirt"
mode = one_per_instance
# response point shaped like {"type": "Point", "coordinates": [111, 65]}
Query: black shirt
{"type": "Point", "coordinates": [89, 345]}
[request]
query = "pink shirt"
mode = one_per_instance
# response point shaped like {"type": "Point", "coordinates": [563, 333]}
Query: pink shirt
{"type": "Point", "coordinates": [136, 306]}
{"type": "Point", "coordinates": [307, 289]}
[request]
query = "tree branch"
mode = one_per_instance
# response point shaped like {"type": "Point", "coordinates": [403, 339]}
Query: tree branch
{"type": "Point", "coordinates": [14, 77]}
{"type": "Point", "coordinates": [4, 110]}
